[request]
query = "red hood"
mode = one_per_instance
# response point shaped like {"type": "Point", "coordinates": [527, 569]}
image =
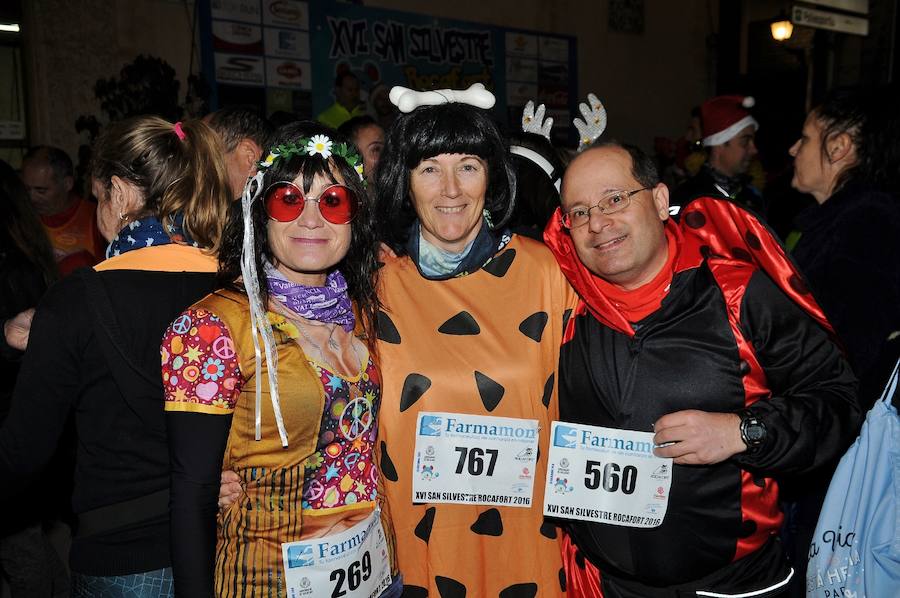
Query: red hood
{"type": "Point", "coordinates": [708, 227]}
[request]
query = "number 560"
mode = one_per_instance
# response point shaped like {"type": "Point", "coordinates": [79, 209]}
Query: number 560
{"type": "Point", "coordinates": [608, 475]}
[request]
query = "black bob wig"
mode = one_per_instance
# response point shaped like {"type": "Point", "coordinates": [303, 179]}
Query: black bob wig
{"type": "Point", "coordinates": [429, 131]}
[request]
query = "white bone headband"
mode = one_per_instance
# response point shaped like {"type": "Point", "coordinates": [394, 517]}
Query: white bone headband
{"type": "Point", "coordinates": [408, 100]}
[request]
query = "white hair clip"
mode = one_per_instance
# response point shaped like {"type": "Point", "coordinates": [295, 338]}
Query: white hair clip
{"type": "Point", "coordinates": [408, 100]}
{"type": "Point", "coordinates": [533, 121]}
{"type": "Point", "coordinates": [594, 122]}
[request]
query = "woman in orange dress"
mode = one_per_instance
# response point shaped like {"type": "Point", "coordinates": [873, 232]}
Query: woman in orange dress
{"type": "Point", "coordinates": [470, 330]}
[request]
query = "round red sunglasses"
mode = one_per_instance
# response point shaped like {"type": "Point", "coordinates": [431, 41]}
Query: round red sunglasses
{"type": "Point", "coordinates": [285, 201]}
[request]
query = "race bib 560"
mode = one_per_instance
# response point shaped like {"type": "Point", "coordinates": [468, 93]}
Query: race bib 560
{"type": "Point", "coordinates": [606, 475]}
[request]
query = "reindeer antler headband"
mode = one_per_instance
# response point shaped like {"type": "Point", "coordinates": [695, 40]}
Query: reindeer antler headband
{"type": "Point", "coordinates": [533, 121]}
{"type": "Point", "coordinates": [594, 122]}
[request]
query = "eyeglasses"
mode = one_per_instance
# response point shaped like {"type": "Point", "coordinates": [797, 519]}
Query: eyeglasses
{"type": "Point", "coordinates": [612, 203]}
{"type": "Point", "coordinates": [285, 201]}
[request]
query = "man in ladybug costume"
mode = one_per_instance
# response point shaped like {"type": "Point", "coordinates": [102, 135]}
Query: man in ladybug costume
{"type": "Point", "coordinates": [704, 335]}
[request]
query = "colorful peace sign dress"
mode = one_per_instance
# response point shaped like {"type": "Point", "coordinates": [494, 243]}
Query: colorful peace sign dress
{"type": "Point", "coordinates": [323, 482]}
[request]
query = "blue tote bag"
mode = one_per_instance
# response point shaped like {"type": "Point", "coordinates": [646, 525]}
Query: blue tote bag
{"type": "Point", "coordinates": [855, 552]}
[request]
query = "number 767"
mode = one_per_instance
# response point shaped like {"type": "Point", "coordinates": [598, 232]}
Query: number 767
{"type": "Point", "coordinates": [473, 460]}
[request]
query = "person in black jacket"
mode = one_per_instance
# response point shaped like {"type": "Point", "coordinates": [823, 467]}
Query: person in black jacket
{"type": "Point", "coordinates": [847, 158]}
{"type": "Point", "coordinates": [701, 337]}
{"type": "Point", "coordinates": [93, 352]}
{"type": "Point", "coordinates": [27, 560]}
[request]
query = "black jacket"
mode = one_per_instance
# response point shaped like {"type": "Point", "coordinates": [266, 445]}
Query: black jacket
{"type": "Point", "coordinates": [122, 450]}
{"type": "Point", "coordinates": [850, 254]}
{"type": "Point", "coordinates": [702, 184]}
{"type": "Point", "coordinates": [686, 356]}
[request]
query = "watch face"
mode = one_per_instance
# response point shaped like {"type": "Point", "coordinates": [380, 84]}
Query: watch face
{"type": "Point", "coordinates": [755, 432]}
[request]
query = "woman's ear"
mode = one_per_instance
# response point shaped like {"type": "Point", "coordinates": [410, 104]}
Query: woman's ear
{"type": "Point", "coordinates": [840, 148]}
{"type": "Point", "coordinates": [126, 198]}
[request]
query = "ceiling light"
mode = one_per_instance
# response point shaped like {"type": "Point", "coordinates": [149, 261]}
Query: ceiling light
{"type": "Point", "coordinates": [782, 30]}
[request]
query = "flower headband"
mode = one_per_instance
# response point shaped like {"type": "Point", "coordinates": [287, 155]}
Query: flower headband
{"type": "Point", "coordinates": [317, 145]}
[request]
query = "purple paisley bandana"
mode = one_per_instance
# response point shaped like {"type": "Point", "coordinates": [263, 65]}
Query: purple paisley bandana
{"type": "Point", "coordinates": [330, 303]}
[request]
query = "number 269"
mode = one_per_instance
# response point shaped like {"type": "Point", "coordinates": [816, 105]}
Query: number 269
{"type": "Point", "coordinates": [353, 576]}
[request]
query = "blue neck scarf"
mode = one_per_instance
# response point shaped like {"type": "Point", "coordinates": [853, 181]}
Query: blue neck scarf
{"type": "Point", "coordinates": [436, 264]}
{"type": "Point", "coordinates": [148, 232]}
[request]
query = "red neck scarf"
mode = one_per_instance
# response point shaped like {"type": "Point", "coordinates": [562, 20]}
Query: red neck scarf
{"type": "Point", "coordinates": [639, 303]}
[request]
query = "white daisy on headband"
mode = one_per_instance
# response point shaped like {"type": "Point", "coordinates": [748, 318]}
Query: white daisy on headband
{"type": "Point", "coordinates": [270, 159]}
{"type": "Point", "coordinates": [319, 144]}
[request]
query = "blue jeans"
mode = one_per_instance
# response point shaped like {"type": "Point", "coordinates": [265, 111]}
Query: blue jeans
{"type": "Point", "coordinates": [150, 584]}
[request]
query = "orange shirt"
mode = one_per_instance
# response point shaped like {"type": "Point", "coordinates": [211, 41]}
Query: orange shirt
{"type": "Point", "coordinates": [482, 344]}
{"type": "Point", "coordinates": [74, 236]}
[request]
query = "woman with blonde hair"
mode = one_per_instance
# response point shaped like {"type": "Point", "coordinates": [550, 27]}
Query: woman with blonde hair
{"type": "Point", "coordinates": [93, 351]}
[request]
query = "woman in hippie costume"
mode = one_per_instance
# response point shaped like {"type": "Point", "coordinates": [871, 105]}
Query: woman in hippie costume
{"type": "Point", "coordinates": [272, 377]}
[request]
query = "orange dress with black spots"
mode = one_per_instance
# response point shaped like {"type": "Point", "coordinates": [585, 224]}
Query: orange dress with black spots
{"type": "Point", "coordinates": [483, 344]}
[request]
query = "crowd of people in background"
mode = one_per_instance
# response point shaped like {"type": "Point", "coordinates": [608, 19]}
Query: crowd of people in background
{"type": "Point", "coordinates": [220, 350]}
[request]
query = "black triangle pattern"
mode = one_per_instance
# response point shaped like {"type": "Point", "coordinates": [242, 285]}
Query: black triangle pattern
{"type": "Point", "coordinates": [499, 266]}
{"type": "Point", "coordinates": [387, 331]}
{"type": "Point", "coordinates": [488, 523]}
{"type": "Point", "coordinates": [520, 590]}
{"type": "Point", "coordinates": [449, 588]}
{"type": "Point", "coordinates": [533, 326]}
{"type": "Point", "coordinates": [414, 387]}
{"type": "Point", "coordinates": [413, 592]}
{"type": "Point", "coordinates": [423, 528]}
{"type": "Point", "coordinates": [387, 466]}
{"type": "Point", "coordinates": [490, 391]}
{"type": "Point", "coordinates": [548, 390]}
{"type": "Point", "coordinates": [461, 324]}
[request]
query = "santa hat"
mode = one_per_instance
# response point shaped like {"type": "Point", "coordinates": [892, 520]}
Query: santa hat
{"type": "Point", "coordinates": [724, 117]}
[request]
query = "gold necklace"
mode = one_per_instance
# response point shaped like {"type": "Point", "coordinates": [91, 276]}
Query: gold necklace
{"type": "Point", "coordinates": [301, 322]}
{"type": "Point", "coordinates": [332, 344]}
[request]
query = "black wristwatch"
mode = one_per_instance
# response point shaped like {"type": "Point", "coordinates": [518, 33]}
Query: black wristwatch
{"type": "Point", "coordinates": [753, 431]}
